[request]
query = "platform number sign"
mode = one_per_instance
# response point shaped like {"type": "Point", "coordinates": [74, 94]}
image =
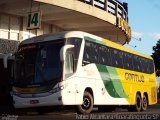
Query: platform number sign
{"type": "Point", "coordinates": [33, 20]}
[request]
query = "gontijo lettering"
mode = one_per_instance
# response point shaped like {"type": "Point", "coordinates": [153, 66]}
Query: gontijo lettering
{"type": "Point", "coordinates": [134, 77]}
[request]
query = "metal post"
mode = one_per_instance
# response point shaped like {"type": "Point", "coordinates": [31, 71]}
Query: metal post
{"type": "Point", "coordinates": [106, 5]}
{"type": "Point", "coordinates": [116, 9]}
{"type": "Point", "coordinates": [123, 14]}
{"type": "Point", "coordinates": [92, 2]}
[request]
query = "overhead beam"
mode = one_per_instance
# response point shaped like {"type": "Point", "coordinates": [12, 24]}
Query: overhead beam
{"type": "Point", "coordinates": [62, 15]}
{"type": "Point", "coordinates": [91, 28]}
{"type": "Point", "coordinates": [78, 20]}
{"type": "Point", "coordinates": [107, 32]}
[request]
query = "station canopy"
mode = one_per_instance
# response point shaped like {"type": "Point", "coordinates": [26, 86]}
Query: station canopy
{"type": "Point", "coordinates": [70, 15]}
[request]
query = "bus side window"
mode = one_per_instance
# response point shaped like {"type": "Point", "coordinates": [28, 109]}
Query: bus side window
{"type": "Point", "coordinates": [151, 66]}
{"type": "Point", "coordinates": [139, 64]}
{"type": "Point", "coordinates": [104, 55]}
{"type": "Point", "coordinates": [69, 64]}
{"type": "Point", "coordinates": [147, 70]}
{"type": "Point", "coordinates": [117, 59]}
{"type": "Point", "coordinates": [86, 55]}
{"type": "Point", "coordinates": [93, 53]}
{"type": "Point", "coordinates": [76, 50]}
{"type": "Point", "coordinates": [145, 65]}
{"type": "Point", "coordinates": [112, 57]}
{"type": "Point", "coordinates": [128, 64]}
{"type": "Point", "coordinates": [135, 63]}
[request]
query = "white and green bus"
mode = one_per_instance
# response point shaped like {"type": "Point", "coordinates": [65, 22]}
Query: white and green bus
{"type": "Point", "coordinates": [83, 70]}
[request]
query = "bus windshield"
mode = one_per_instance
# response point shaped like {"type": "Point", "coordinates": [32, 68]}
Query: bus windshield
{"type": "Point", "coordinates": [37, 64]}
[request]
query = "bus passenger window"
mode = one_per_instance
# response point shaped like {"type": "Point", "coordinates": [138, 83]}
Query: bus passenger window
{"type": "Point", "coordinates": [104, 55]}
{"type": "Point", "coordinates": [118, 58]}
{"type": "Point", "coordinates": [151, 66]}
{"type": "Point", "coordinates": [86, 55]}
{"type": "Point", "coordinates": [128, 61]}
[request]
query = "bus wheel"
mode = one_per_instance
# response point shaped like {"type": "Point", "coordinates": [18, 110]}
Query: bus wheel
{"type": "Point", "coordinates": [138, 104]}
{"type": "Point", "coordinates": [87, 105]}
{"type": "Point", "coordinates": [144, 103]}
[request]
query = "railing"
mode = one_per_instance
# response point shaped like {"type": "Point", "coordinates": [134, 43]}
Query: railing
{"type": "Point", "coordinates": [114, 7]}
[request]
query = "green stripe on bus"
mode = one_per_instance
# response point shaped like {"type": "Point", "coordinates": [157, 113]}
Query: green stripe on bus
{"type": "Point", "coordinates": [116, 82]}
{"type": "Point", "coordinates": [108, 83]}
{"type": "Point", "coordinates": [111, 81]}
{"type": "Point", "coordinates": [94, 40]}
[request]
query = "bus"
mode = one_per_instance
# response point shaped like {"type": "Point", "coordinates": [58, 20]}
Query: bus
{"type": "Point", "coordinates": [79, 69]}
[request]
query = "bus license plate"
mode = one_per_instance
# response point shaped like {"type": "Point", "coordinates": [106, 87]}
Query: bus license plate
{"type": "Point", "coordinates": [34, 101]}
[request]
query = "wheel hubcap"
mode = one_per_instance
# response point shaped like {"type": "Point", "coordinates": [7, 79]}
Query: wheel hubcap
{"type": "Point", "coordinates": [86, 103]}
{"type": "Point", "coordinates": [144, 103]}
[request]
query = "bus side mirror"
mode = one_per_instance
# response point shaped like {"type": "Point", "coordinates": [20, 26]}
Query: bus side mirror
{"type": "Point", "coordinates": [5, 59]}
{"type": "Point", "coordinates": [63, 51]}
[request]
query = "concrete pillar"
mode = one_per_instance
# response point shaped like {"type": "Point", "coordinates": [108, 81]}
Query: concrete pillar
{"type": "Point", "coordinates": [21, 29]}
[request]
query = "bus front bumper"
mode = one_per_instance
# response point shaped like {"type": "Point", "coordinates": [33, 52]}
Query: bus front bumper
{"type": "Point", "coordinates": [27, 102]}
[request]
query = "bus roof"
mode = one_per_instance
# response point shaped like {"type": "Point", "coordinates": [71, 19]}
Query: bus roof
{"type": "Point", "coordinates": [80, 34]}
{"type": "Point", "coordinates": [53, 36]}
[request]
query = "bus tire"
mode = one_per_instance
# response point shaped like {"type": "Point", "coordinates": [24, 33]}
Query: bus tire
{"type": "Point", "coordinates": [144, 103]}
{"type": "Point", "coordinates": [87, 105]}
{"type": "Point", "coordinates": [138, 104]}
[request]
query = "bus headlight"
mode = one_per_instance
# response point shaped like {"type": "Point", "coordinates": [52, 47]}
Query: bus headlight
{"type": "Point", "coordinates": [57, 89]}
